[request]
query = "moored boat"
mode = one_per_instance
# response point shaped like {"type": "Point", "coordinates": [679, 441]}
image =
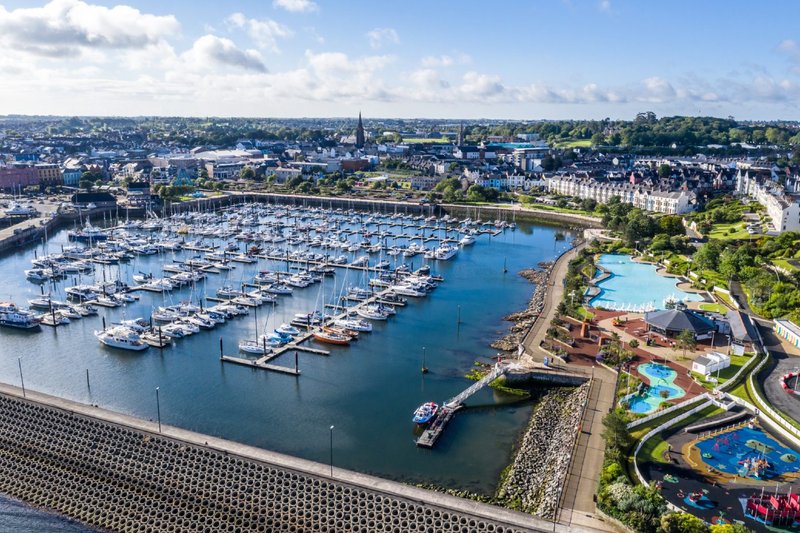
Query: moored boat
{"type": "Point", "coordinates": [425, 412]}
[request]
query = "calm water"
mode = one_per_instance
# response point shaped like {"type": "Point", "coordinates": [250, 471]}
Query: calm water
{"type": "Point", "coordinates": [368, 391]}
{"type": "Point", "coordinates": [636, 286]}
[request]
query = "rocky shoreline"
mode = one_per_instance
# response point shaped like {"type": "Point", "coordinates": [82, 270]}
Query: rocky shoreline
{"type": "Point", "coordinates": [524, 320]}
{"type": "Point", "coordinates": [533, 482]}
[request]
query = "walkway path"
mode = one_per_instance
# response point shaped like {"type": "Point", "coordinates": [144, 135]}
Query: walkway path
{"type": "Point", "coordinates": [577, 504]}
{"type": "Point", "coordinates": [555, 292]}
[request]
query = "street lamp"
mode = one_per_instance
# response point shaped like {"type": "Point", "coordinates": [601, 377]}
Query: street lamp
{"type": "Point", "coordinates": [332, 451]}
{"type": "Point", "coordinates": [21, 379]}
{"type": "Point", "coordinates": [158, 410]}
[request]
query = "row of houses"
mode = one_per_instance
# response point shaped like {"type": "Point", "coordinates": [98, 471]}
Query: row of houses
{"type": "Point", "coordinates": [781, 201]}
{"type": "Point", "coordinates": [641, 195]}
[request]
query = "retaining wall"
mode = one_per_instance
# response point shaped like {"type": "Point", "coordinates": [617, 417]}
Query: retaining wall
{"type": "Point", "coordinates": [117, 472]}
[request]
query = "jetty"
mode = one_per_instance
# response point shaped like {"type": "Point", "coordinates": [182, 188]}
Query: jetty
{"type": "Point", "coordinates": [448, 410]}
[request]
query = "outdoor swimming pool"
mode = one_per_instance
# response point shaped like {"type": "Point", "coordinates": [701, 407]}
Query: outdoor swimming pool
{"type": "Point", "coordinates": [749, 453]}
{"type": "Point", "coordinates": [635, 286]}
{"type": "Point", "coordinates": [661, 379]}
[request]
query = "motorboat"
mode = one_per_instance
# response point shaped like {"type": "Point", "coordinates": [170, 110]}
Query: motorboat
{"type": "Point", "coordinates": [372, 312]}
{"type": "Point", "coordinates": [288, 329]}
{"type": "Point", "coordinates": [121, 337]}
{"type": "Point", "coordinates": [445, 252]}
{"type": "Point", "coordinates": [467, 240]}
{"type": "Point", "coordinates": [425, 412]}
{"type": "Point", "coordinates": [13, 317]}
{"type": "Point", "coordinates": [353, 324]}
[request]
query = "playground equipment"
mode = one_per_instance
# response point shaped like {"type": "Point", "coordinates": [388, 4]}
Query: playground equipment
{"type": "Point", "coordinates": [774, 510]}
{"type": "Point", "coordinates": [787, 377]}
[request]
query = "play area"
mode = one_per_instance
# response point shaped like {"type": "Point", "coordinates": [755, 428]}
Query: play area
{"type": "Point", "coordinates": [648, 397]}
{"type": "Point", "coordinates": [748, 452]}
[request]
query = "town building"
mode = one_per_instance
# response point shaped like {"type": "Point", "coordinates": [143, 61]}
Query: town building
{"type": "Point", "coordinates": [640, 196]}
{"type": "Point", "coordinates": [782, 205]}
{"type": "Point", "coordinates": [49, 174]}
{"type": "Point", "coordinates": [18, 178]}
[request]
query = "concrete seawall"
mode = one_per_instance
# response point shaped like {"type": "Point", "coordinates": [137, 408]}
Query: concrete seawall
{"type": "Point", "coordinates": [117, 472]}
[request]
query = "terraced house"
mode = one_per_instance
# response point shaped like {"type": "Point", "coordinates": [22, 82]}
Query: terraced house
{"type": "Point", "coordinates": [641, 196]}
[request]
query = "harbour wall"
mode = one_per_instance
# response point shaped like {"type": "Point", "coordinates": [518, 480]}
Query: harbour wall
{"type": "Point", "coordinates": [544, 376]}
{"type": "Point", "coordinates": [117, 472]}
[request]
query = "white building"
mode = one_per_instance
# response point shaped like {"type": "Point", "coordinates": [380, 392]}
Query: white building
{"type": "Point", "coordinates": [645, 198]}
{"type": "Point", "coordinates": [783, 209]}
{"type": "Point", "coordinates": [711, 362]}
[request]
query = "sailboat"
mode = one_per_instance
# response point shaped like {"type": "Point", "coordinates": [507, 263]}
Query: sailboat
{"type": "Point", "coordinates": [260, 345]}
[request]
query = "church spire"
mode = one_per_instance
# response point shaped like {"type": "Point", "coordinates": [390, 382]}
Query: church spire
{"type": "Point", "coordinates": [360, 132]}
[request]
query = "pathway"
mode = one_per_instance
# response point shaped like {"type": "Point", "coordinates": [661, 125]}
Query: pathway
{"type": "Point", "coordinates": [577, 505]}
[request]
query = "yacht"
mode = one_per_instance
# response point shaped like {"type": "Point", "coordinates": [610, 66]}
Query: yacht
{"type": "Point", "coordinates": [353, 324]}
{"type": "Point", "coordinates": [16, 209]}
{"type": "Point", "coordinates": [466, 240]}
{"type": "Point", "coordinates": [121, 337]}
{"type": "Point", "coordinates": [445, 252]}
{"type": "Point", "coordinates": [13, 317]}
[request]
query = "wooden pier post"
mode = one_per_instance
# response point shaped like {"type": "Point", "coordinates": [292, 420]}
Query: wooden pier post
{"type": "Point", "coordinates": [295, 362]}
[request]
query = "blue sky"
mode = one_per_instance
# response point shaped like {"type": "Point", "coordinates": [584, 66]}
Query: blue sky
{"type": "Point", "coordinates": [524, 59]}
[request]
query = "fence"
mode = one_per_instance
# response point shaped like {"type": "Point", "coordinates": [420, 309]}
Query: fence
{"type": "Point", "coordinates": [668, 410]}
{"type": "Point", "coordinates": [658, 429]}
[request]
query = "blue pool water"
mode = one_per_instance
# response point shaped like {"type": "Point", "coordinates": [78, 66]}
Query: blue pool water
{"type": "Point", "coordinates": [734, 451]}
{"type": "Point", "coordinates": [661, 378]}
{"type": "Point", "coordinates": [635, 286]}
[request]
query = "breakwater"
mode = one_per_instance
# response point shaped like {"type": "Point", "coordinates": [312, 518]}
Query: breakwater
{"type": "Point", "coordinates": [524, 320]}
{"type": "Point", "coordinates": [116, 472]}
{"type": "Point", "coordinates": [535, 479]}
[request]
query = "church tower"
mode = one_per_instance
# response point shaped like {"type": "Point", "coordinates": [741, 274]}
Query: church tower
{"type": "Point", "coordinates": [461, 133]}
{"type": "Point", "coordinates": [359, 132]}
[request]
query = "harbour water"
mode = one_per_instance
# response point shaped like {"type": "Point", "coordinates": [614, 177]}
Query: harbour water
{"type": "Point", "coordinates": [367, 391]}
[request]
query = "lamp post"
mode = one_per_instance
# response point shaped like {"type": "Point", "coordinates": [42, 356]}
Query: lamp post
{"type": "Point", "coordinates": [21, 379]}
{"type": "Point", "coordinates": [158, 410]}
{"type": "Point", "coordinates": [332, 451]}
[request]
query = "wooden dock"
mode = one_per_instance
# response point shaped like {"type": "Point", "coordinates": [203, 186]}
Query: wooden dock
{"type": "Point", "coordinates": [448, 410]}
{"type": "Point", "coordinates": [260, 363]}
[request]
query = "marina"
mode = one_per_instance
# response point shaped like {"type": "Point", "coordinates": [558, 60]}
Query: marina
{"type": "Point", "coordinates": [192, 277]}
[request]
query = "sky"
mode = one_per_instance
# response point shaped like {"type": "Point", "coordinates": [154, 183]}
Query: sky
{"type": "Point", "coordinates": [505, 59]}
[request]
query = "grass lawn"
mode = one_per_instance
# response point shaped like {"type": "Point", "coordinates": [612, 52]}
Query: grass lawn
{"type": "Point", "coordinates": [714, 308]}
{"type": "Point", "coordinates": [653, 450]}
{"type": "Point", "coordinates": [737, 362]}
{"type": "Point", "coordinates": [784, 264]}
{"type": "Point", "coordinates": [576, 143]}
{"type": "Point", "coordinates": [556, 209]}
{"type": "Point", "coordinates": [722, 232]}
{"type": "Point", "coordinates": [585, 313]}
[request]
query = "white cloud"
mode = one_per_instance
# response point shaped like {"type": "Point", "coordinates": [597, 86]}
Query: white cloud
{"type": "Point", "coordinates": [68, 28]}
{"type": "Point", "coordinates": [445, 60]}
{"type": "Point", "coordinates": [211, 51]}
{"type": "Point", "coordinates": [264, 32]}
{"type": "Point", "coordinates": [658, 89]}
{"type": "Point", "coordinates": [605, 5]}
{"type": "Point", "coordinates": [379, 37]}
{"type": "Point", "coordinates": [296, 6]}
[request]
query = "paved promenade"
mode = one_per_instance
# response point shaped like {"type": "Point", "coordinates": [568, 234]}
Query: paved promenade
{"type": "Point", "coordinates": [578, 506]}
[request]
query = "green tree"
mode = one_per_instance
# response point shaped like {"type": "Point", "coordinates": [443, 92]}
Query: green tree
{"type": "Point", "coordinates": [664, 171]}
{"type": "Point", "coordinates": [598, 139]}
{"type": "Point", "coordinates": [682, 523]}
{"type": "Point", "coordinates": [686, 341]}
{"type": "Point", "coordinates": [247, 174]}
{"type": "Point", "coordinates": [615, 431]}
{"type": "Point", "coordinates": [707, 256]}
{"type": "Point", "coordinates": [671, 225]}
